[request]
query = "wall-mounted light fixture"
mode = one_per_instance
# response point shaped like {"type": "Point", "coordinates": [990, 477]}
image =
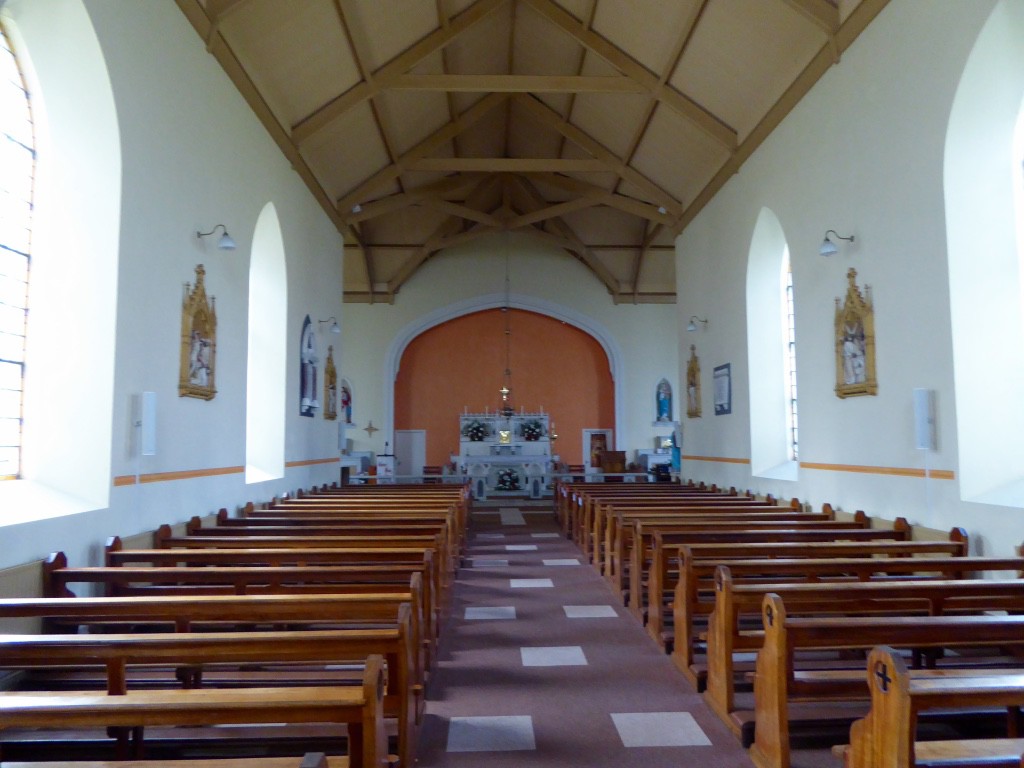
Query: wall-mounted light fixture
{"type": "Point", "coordinates": [827, 247]}
{"type": "Point", "coordinates": [225, 243]}
{"type": "Point", "coordinates": [692, 325]}
{"type": "Point", "coordinates": [334, 327]}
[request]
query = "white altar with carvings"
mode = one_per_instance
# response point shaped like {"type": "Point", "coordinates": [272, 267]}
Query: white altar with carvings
{"type": "Point", "coordinates": [505, 454]}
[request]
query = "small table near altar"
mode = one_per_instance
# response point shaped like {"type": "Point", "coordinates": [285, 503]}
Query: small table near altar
{"type": "Point", "coordinates": [505, 455]}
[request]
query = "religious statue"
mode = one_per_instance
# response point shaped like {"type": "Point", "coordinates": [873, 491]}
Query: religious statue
{"type": "Point", "coordinates": [346, 402]}
{"type": "Point", "coordinates": [308, 360]}
{"type": "Point", "coordinates": [664, 400]}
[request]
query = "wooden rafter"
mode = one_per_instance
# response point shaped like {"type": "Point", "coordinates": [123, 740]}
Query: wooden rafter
{"type": "Point", "coordinates": [626, 204]}
{"type": "Point", "coordinates": [359, 55]}
{"type": "Point", "coordinates": [435, 141]}
{"type": "Point", "coordinates": [364, 250]}
{"type": "Point", "coordinates": [580, 61]}
{"type": "Point", "coordinates": [517, 84]}
{"type": "Point", "coordinates": [652, 232]}
{"type": "Point", "coordinates": [441, 236]}
{"type": "Point", "coordinates": [691, 110]}
{"type": "Point", "coordinates": [682, 40]}
{"type": "Point", "coordinates": [821, 12]}
{"type": "Point", "coordinates": [547, 116]}
{"type": "Point", "coordinates": [382, 77]}
{"type": "Point", "coordinates": [577, 246]}
{"type": "Point", "coordinates": [451, 186]}
{"type": "Point", "coordinates": [463, 211]}
{"type": "Point", "coordinates": [449, 97]}
{"type": "Point", "coordinates": [506, 165]}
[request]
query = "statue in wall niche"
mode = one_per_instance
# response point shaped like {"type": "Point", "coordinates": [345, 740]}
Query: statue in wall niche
{"type": "Point", "coordinates": [198, 341]}
{"type": "Point", "coordinates": [664, 400]}
{"type": "Point", "coordinates": [308, 360]}
{"type": "Point", "coordinates": [346, 401]}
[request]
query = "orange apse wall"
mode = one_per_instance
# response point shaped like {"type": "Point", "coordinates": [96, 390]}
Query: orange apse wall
{"type": "Point", "coordinates": [460, 363]}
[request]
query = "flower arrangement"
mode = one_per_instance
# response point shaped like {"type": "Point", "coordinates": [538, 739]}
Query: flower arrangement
{"type": "Point", "coordinates": [508, 480]}
{"type": "Point", "coordinates": [533, 430]}
{"type": "Point", "coordinates": [475, 431]}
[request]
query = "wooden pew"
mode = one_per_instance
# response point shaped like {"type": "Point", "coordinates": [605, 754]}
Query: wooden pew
{"type": "Point", "coordinates": [309, 760]}
{"type": "Point", "coordinates": [777, 682]}
{"type": "Point", "coordinates": [190, 600]}
{"type": "Point", "coordinates": [671, 562]}
{"type": "Point", "coordinates": [360, 708]}
{"type": "Point", "coordinates": [644, 563]}
{"type": "Point", "coordinates": [934, 597]}
{"type": "Point", "coordinates": [887, 737]}
{"type": "Point", "coordinates": [190, 653]}
{"type": "Point", "coordinates": [618, 532]}
{"type": "Point", "coordinates": [697, 579]}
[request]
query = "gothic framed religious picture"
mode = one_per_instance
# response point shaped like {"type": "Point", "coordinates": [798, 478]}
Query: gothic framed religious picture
{"type": "Point", "coordinates": [330, 387]}
{"type": "Point", "coordinates": [198, 341]}
{"type": "Point", "coordinates": [693, 385]}
{"type": "Point", "coordinates": [855, 341]}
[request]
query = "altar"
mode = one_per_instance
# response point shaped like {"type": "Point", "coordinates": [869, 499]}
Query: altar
{"type": "Point", "coordinates": [505, 453]}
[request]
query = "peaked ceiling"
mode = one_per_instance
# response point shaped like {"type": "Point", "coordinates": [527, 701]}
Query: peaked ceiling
{"type": "Point", "coordinates": [602, 126]}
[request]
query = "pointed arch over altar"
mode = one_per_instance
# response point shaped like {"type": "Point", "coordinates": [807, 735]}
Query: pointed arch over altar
{"type": "Point", "coordinates": [588, 325]}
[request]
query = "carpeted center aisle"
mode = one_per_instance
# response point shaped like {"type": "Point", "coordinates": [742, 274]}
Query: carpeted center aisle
{"type": "Point", "coordinates": [540, 664]}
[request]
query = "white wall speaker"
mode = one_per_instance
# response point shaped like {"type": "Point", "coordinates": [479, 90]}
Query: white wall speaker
{"type": "Point", "coordinates": [147, 424]}
{"type": "Point", "coordinates": [924, 419]}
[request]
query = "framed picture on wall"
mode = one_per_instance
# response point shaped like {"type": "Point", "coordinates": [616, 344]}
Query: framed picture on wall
{"type": "Point", "coordinates": [723, 389]}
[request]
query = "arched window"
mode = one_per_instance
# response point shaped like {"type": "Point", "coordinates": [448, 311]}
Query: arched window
{"type": "Point", "coordinates": [17, 171]}
{"type": "Point", "coordinates": [265, 368]}
{"type": "Point", "coordinates": [984, 202]}
{"type": "Point", "coordinates": [771, 352]}
{"type": "Point", "coordinates": [789, 362]}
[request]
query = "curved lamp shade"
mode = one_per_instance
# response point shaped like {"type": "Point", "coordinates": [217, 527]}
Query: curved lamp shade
{"type": "Point", "coordinates": [827, 247]}
{"type": "Point", "coordinates": [225, 243]}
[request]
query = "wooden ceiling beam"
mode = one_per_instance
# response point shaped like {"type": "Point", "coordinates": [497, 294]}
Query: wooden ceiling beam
{"type": "Point", "coordinates": [581, 60]}
{"type": "Point", "coordinates": [367, 259]}
{"type": "Point", "coordinates": [382, 77]}
{"type": "Point", "coordinates": [556, 210]}
{"type": "Point", "coordinates": [652, 233]}
{"type": "Point", "coordinates": [506, 165]}
{"type": "Point", "coordinates": [687, 107]}
{"type": "Point", "coordinates": [621, 202]}
{"type": "Point", "coordinates": [465, 212]}
{"type": "Point", "coordinates": [820, 12]}
{"type": "Point", "coordinates": [576, 244]}
{"type": "Point", "coordinates": [682, 41]}
{"type": "Point", "coordinates": [517, 84]}
{"type": "Point", "coordinates": [448, 187]}
{"type": "Point", "coordinates": [355, 43]}
{"type": "Point", "coordinates": [448, 228]}
{"type": "Point", "coordinates": [549, 117]}
{"type": "Point", "coordinates": [432, 143]}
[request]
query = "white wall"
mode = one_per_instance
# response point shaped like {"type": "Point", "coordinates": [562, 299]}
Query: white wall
{"type": "Point", "coordinates": [862, 153]}
{"type": "Point", "coordinates": [643, 335]}
{"type": "Point", "coordinates": [193, 156]}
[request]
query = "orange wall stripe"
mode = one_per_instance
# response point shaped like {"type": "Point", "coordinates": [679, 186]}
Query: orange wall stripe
{"type": "Point", "coordinates": [189, 474]}
{"type": "Point", "coordinates": [938, 474]}
{"type": "Point", "coordinates": [311, 462]}
{"type": "Point", "coordinates": [125, 480]}
{"type": "Point", "coordinates": [720, 459]}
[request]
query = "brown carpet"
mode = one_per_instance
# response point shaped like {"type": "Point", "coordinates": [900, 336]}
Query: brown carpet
{"type": "Point", "coordinates": [590, 669]}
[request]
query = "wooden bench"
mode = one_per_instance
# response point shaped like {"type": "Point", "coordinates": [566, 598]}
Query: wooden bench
{"type": "Point", "coordinates": [644, 563]}
{"type": "Point", "coordinates": [696, 594]}
{"type": "Point", "coordinates": [194, 650]}
{"type": "Point", "coordinates": [887, 737]}
{"type": "Point", "coordinates": [733, 602]}
{"type": "Point", "coordinates": [778, 686]}
{"type": "Point", "coordinates": [190, 600]}
{"type": "Point", "coordinates": [673, 584]}
{"type": "Point", "coordinates": [360, 708]}
{"type": "Point", "coordinates": [618, 532]}
{"type": "Point", "coordinates": [309, 760]}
